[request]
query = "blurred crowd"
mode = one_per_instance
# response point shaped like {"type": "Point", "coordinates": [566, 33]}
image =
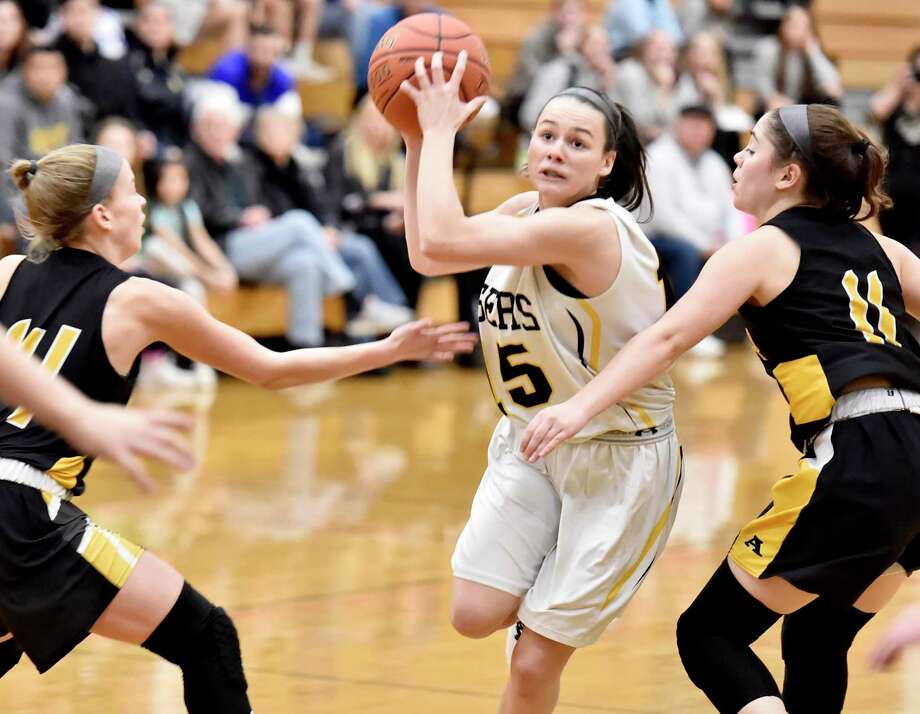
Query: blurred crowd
{"type": "Point", "coordinates": [240, 188]}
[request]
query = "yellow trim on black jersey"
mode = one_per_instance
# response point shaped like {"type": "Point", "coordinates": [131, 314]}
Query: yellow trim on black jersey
{"type": "Point", "coordinates": [806, 388]}
{"type": "Point", "coordinates": [66, 470]}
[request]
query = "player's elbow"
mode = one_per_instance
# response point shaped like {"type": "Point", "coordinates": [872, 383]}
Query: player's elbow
{"type": "Point", "coordinates": [423, 267]}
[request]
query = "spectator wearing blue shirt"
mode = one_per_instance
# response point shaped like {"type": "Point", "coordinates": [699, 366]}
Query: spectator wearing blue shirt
{"type": "Point", "coordinates": [628, 22]}
{"type": "Point", "coordinates": [255, 72]}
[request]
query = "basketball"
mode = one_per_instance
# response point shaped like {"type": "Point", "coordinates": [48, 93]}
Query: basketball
{"type": "Point", "coordinates": [393, 61]}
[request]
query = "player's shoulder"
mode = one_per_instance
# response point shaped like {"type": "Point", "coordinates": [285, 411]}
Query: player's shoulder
{"type": "Point", "coordinates": [517, 203]}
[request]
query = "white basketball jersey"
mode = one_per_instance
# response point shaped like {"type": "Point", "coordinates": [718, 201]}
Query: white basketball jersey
{"type": "Point", "coordinates": [541, 344]}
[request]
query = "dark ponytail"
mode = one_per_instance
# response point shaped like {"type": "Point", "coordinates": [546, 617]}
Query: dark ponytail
{"type": "Point", "coordinates": [843, 168]}
{"type": "Point", "coordinates": [627, 183]}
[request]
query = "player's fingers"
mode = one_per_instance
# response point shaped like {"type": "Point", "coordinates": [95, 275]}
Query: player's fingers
{"type": "Point", "coordinates": [527, 435]}
{"type": "Point", "coordinates": [453, 327]}
{"type": "Point", "coordinates": [883, 656]}
{"type": "Point", "coordinates": [437, 69]}
{"type": "Point", "coordinates": [406, 88]}
{"type": "Point", "coordinates": [178, 421]}
{"type": "Point", "coordinates": [457, 75]}
{"type": "Point", "coordinates": [168, 447]}
{"type": "Point", "coordinates": [473, 106]}
{"type": "Point", "coordinates": [552, 444]}
{"type": "Point", "coordinates": [536, 438]}
{"type": "Point", "coordinates": [136, 472]}
{"type": "Point", "coordinates": [421, 74]}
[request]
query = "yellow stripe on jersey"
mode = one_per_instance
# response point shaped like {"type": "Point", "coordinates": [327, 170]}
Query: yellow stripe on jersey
{"type": "Point", "coordinates": [113, 556]}
{"type": "Point", "coordinates": [859, 308]}
{"type": "Point", "coordinates": [53, 504]}
{"type": "Point", "coordinates": [594, 359]}
{"type": "Point", "coordinates": [805, 385]}
{"type": "Point", "coordinates": [66, 470]}
{"type": "Point", "coordinates": [652, 539]}
{"type": "Point", "coordinates": [643, 415]}
{"type": "Point", "coordinates": [760, 540]}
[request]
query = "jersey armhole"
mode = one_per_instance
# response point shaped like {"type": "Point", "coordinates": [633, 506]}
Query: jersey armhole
{"type": "Point", "coordinates": [881, 250]}
{"type": "Point", "coordinates": [798, 271]}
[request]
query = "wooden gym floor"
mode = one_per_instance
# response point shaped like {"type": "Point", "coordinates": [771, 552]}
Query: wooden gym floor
{"type": "Point", "coordinates": [324, 519]}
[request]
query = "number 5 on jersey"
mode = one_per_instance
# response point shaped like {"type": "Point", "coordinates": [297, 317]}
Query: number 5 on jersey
{"type": "Point", "coordinates": [57, 354]}
{"type": "Point", "coordinates": [540, 389]}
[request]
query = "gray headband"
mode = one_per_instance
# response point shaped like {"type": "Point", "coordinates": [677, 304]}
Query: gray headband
{"type": "Point", "coordinates": [794, 119]}
{"type": "Point", "coordinates": [108, 166]}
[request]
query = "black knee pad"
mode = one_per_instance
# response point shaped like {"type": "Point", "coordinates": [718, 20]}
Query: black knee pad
{"type": "Point", "coordinates": [816, 640]}
{"type": "Point", "coordinates": [714, 636]}
{"type": "Point", "coordinates": [201, 639]}
{"type": "Point", "coordinates": [10, 654]}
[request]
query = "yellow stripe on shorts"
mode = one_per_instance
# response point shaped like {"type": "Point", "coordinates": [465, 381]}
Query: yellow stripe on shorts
{"type": "Point", "coordinates": [113, 556]}
{"type": "Point", "coordinates": [760, 540]}
{"type": "Point", "coordinates": [652, 539]}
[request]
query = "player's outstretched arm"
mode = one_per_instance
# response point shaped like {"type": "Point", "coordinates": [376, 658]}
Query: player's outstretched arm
{"type": "Point", "coordinates": [152, 312]}
{"type": "Point", "coordinates": [905, 632]}
{"type": "Point", "coordinates": [727, 281]}
{"type": "Point", "coordinates": [109, 431]}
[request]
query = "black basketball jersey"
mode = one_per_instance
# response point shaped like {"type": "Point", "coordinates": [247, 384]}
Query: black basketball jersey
{"type": "Point", "coordinates": [54, 311]}
{"type": "Point", "coordinates": [841, 318]}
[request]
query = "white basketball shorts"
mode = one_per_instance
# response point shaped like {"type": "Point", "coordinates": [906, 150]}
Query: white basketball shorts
{"type": "Point", "coordinates": [573, 534]}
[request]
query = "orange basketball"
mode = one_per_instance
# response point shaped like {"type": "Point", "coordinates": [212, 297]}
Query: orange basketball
{"type": "Point", "coordinates": [421, 36]}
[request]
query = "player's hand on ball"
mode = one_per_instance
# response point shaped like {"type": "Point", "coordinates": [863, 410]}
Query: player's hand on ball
{"type": "Point", "coordinates": [551, 427]}
{"type": "Point", "coordinates": [438, 100]}
{"type": "Point", "coordinates": [423, 340]}
{"type": "Point", "coordinates": [904, 632]}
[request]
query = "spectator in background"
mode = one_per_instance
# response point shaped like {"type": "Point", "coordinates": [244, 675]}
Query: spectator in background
{"type": "Point", "coordinates": [629, 22]}
{"type": "Point", "coordinates": [693, 212]}
{"type": "Point", "coordinates": [256, 74]}
{"type": "Point", "coordinates": [646, 84]}
{"type": "Point", "coordinates": [123, 137]}
{"type": "Point", "coordinates": [712, 16]}
{"type": "Point", "coordinates": [12, 36]}
{"type": "Point", "coordinates": [261, 249]}
{"type": "Point", "coordinates": [39, 112]}
{"type": "Point", "coordinates": [791, 68]}
{"type": "Point", "coordinates": [376, 304]}
{"type": "Point", "coordinates": [106, 30]}
{"type": "Point", "coordinates": [177, 250]}
{"type": "Point", "coordinates": [379, 20]}
{"type": "Point", "coordinates": [364, 178]}
{"type": "Point", "coordinates": [227, 20]}
{"type": "Point", "coordinates": [704, 80]}
{"type": "Point", "coordinates": [161, 82]}
{"type": "Point", "coordinates": [589, 65]}
{"type": "Point", "coordinates": [897, 108]}
{"type": "Point", "coordinates": [107, 83]}
{"type": "Point", "coordinates": [559, 34]}
{"type": "Point", "coordinates": [297, 22]}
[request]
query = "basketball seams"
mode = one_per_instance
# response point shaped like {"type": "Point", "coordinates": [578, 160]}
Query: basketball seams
{"type": "Point", "coordinates": [428, 50]}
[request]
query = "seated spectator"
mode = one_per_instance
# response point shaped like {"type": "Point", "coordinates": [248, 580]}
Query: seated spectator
{"type": "Point", "coordinates": [559, 34]}
{"type": "Point", "coordinates": [226, 20]}
{"type": "Point", "coordinates": [160, 81]}
{"type": "Point", "coordinates": [12, 36]}
{"type": "Point", "coordinates": [178, 250]}
{"type": "Point", "coordinates": [108, 83]}
{"type": "Point", "coordinates": [378, 21]}
{"type": "Point", "coordinates": [897, 108]}
{"type": "Point", "coordinates": [629, 22]}
{"type": "Point", "coordinates": [261, 249]}
{"type": "Point", "coordinates": [646, 84]}
{"type": "Point", "coordinates": [590, 66]}
{"type": "Point", "coordinates": [704, 80]}
{"type": "Point", "coordinates": [297, 22]}
{"type": "Point", "coordinates": [255, 73]}
{"type": "Point", "coordinates": [40, 112]}
{"type": "Point", "coordinates": [791, 68]}
{"type": "Point", "coordinates": [282, 184]}
{"type": "Point", "coordinates": [713, 16]}
{"type": "Point", "coordinates": [693, 212]}
{"type": "Point", "coordinates": [106, 28]}
{"type": "Point", "coordinates": [364, 179]}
